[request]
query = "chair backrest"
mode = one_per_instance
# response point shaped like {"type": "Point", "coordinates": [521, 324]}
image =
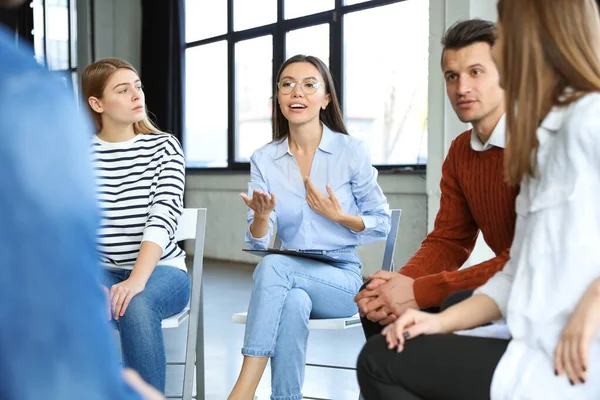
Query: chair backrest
{"type": "Point", "coordinates": [390, 243]}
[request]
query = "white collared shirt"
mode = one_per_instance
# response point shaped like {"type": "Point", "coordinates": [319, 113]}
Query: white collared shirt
{"type": "Point", "coordinates": [496, 139]}
{"type": "Point", "coordinates": [553, 259]}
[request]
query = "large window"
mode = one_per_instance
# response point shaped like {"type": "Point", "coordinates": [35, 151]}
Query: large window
{"type": "Point", "coordinates": [377, 51]}
{"type": "Point", "coordinates": [55, 37]}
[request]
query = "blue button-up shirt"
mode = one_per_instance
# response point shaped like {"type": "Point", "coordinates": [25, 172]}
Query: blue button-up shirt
{"type": "Point", "coordinates": [341, 161]}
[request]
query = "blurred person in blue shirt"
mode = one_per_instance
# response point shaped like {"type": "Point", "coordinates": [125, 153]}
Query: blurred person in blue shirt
{"type": "Point", "coordinates": [317, 183]}
{"type": "Point", "coordinates": [55, 342]}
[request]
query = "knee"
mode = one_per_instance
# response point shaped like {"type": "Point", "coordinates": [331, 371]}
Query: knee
{"type": "Point", "coordinates": [455, 298]}
{"type": "Point", "coordinates": [367, 359]}
{"type": "Point", "coordinates": [140, 313]}
{"type": "Point", "coordinates": [270, 269]}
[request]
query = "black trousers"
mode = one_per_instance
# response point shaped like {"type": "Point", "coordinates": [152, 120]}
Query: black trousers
{"type": "Point", "coordinates": [373, 328]}
{"type": "Point", "coordinates": [434, 367]}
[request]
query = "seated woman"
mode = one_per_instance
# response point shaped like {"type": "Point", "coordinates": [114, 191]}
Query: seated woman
{"type": "Point", "coordinates": [318, 183]}
{"type": "Point", "coordinates": [548, 54]}
{"type": "Point", "coordinates": [140, 179]}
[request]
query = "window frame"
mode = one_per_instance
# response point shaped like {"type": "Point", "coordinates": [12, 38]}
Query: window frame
{"type": "Point", "coordinates": [278, 30]}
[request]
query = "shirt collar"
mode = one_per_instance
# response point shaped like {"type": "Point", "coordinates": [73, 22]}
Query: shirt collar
{"type": "Point", "coordinates": [497, 138]}
{"type": "Point", "coordinates": [327, 143]}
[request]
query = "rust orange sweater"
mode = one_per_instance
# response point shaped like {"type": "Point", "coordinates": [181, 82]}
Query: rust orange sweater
{"type": "Point", "coordinates": [474, 197]}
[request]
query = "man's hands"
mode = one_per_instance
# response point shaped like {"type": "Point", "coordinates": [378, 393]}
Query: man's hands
{"type": "Point", "coordinates": [386, 297]}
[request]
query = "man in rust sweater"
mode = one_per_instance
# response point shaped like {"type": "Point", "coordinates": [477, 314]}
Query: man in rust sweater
{"type": "Point", "coordinates": [474, 195]}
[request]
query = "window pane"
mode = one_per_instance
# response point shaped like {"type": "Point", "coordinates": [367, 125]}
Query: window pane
{"type": "Point", "coordinates": [205, 141]}
{"type": "Point", "coordinates": [205, 19]}
{"type": "Point", "coordinates": [38, 30]}
{"type": "Point", "coordinates": [253, 92]}
{"type": "Point", "coordinates": [73, 33]}
{"type": "Point", "coordinates": [312, 41]}
{"type": "Point", "coordinates": [386, 105]}
{"type": "Point", "coordinates": [252, 13]}
{"type": "Point", "coordinates": [57, 31]}
{"type": "Point", "coordinates": [299, 8]}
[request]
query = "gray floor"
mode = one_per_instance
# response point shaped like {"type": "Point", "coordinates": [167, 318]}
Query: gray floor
{"type": "Point", "coordinates": [227, 289]}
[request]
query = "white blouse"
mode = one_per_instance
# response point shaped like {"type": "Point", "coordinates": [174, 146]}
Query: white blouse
{"type": "Point", "coordinates": [555, 256]}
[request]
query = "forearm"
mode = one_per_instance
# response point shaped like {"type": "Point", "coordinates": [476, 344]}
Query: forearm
{"type": "Point", "coordinates": [352, 222]}
{"type": "Point", "coordinates": [147, 259]}
{"type": "Point", "coordinates": [260, 226]}
{"type": "Point", "coordinates": [475, 311]}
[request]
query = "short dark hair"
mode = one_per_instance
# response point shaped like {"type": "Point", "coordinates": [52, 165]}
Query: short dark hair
{"type": "Point", "coordinates": [465, 33]}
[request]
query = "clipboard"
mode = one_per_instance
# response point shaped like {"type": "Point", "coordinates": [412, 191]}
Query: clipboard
{"type": "Point", "coordinates": [294, 253]}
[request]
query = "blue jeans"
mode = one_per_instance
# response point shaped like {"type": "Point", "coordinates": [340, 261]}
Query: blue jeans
{"type": "Point", "coordinates": [287, 292]}
{"type": "Point", "coordinates": [167, 292]}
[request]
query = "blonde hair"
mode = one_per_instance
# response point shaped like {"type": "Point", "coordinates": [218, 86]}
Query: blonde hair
{"type": "Point", "coordinates": [93, 82]}
{"type": "Point", "coordinates": [549, 46]}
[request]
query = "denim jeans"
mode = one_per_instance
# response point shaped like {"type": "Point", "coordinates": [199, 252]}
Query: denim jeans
{"type": "Point", "coordinates": [167, 292]}
{"type": "Point", "coordinates": [287, 292]}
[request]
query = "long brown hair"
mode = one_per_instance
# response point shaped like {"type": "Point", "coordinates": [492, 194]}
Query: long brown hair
{"type": "Point", "coordinates": [331, 116]}
{"type": "Point", "coordinates": [548, 46]}
{"type": "Point", "coordinates": [93, 82]}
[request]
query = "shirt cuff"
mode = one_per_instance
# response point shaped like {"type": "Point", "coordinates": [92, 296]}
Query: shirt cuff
{"type": "Point", "coordinates": [156, 235]}
{"type": "Point", "coordinates": [370, 222]}
{"type": "Point", "coordinates": [496, 288]}
{"type": "Point", "coordinates": [257, 243]}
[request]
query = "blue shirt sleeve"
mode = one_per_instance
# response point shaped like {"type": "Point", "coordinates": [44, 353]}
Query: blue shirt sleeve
{"type": "Point", "coordinates": [257, 182]}
{"type": "Point", "coordinates": [55, 341]}
{"type": "Point", "coordinates": [372, 203]}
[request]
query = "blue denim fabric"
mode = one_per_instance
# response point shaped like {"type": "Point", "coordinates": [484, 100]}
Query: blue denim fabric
{"type": "Point", "coordinates": [55, 341]}
{"type": "Point", "coordinates": [167, 292]}
{"type": "Point", "coordinates": [287, 292]}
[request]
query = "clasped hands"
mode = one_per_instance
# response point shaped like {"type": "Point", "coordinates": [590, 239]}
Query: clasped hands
{"type": "Point", "coordinates": [386, 297]}
{"type": "Point", "coordinates": [263, 203]}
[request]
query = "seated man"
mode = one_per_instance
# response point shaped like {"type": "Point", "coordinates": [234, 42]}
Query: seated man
{"type": "Point", "coordinates": [474, 195]}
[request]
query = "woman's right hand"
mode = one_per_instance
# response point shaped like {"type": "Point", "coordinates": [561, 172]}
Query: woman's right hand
{"type": "Point", "coordinates": [411, 324]}
{"type": "Point", "coordinates": [261, 202]}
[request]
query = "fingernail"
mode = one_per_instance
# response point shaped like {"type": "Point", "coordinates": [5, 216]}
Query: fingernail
{"type": "Point", "coordinates": [406, 335]}
{"type": "Point", "coordinates": [572, 383]}
{"type": "Point", "coordinates": [556, 372]}
{"type": "Point", "coordinates": [581, 380]}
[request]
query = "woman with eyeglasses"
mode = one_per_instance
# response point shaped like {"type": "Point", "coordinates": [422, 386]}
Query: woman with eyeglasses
{"type": "Point", "coordinates": [548, 54]}
{"type": "Point", "coordinates": [318, 184]}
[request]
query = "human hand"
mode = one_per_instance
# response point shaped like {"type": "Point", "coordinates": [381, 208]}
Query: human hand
{"type": "Point", "coordinates": [392, 298]}
{"type": "Point", "coordinates": [368, 294]}
{"type": "Point", "coordinates": [261, 203]}
{"type": "Point", "coordinates": [136, 382]}
{"type": "Point", "coordinates": [410, 325]}
{"type": "Point", "coordinates": [571, 355]}
{"type": "Point", "coordinates": [328, 207]}
{"type": "Point", "coordinates": [122, 293]}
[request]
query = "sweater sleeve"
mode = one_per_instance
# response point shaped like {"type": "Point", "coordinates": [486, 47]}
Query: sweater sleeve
{"type": "Point", "coordinates": [431, 290]}
{"type": "Point", "coordinates": [167, 205]}
{"type": "Point", "coordinates": [455, 232]}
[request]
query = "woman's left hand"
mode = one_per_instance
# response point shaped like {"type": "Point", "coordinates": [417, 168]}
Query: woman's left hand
{"type": "Point", "coordinates": [329, 207]}
{"type": "Point", "coordinates": [122, 293]}
{"type": "Point", "coordinates": [571, 355]}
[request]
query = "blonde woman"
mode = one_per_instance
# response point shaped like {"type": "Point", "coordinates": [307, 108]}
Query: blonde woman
{"type": "Point", "coordinates": [140, 180]}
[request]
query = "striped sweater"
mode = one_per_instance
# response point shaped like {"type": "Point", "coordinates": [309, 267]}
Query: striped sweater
{"type": "Point", "coordinates": [140, 186]}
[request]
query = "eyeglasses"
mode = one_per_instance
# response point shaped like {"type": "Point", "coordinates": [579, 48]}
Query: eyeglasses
{"type": "Point", "coordinates": [308, 86]}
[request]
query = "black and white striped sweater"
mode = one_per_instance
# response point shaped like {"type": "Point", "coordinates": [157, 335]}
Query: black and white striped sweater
{"type": "Point", "coordinates": [140, 186]}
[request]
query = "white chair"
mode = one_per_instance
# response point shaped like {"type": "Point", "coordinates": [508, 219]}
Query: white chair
{"type": "Point", "coordinates": [192, 225]}
{"type": "Point", "coordinates": [348, 322]}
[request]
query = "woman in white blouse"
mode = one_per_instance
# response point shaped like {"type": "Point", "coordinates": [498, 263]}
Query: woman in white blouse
{"type": "Point", "coordinates": [548, 53]}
